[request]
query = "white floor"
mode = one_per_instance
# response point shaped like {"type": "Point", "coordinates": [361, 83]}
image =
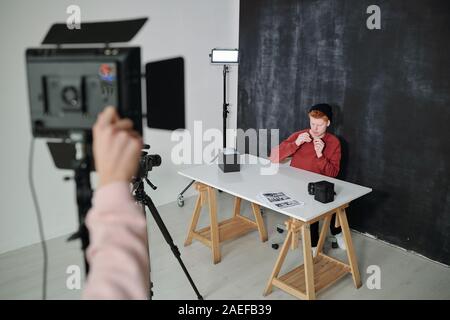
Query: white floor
{"type": "Point", "coordinates": [243, 272]}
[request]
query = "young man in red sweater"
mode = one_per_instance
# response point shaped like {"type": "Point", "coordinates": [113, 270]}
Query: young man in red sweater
{"type": "Point", "coordinates": [316, 150]}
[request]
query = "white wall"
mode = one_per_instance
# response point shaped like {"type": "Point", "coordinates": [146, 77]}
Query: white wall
{"type": "Point", "coordinates": [188, 28]}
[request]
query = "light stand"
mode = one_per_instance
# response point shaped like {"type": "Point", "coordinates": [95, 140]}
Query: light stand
{"type": "Point", "coordinates": [228, 158]}
{"type": "Point", "coordinates": [225, 105]}
{"type": "Point", "coordinates": [228, 161]}
{"type": "Point", "coordinates": [83, 166]}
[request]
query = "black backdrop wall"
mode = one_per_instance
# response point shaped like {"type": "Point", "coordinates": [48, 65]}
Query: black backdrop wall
{"type": "Point", "coordinates": [391, 93]}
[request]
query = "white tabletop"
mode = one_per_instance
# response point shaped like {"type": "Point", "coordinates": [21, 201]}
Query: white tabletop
{"type": "Point", "coordinates": [249, 182]}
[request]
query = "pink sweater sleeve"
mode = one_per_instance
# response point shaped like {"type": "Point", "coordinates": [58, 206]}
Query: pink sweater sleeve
{"type": "Point", "coordinates": [118, 252]}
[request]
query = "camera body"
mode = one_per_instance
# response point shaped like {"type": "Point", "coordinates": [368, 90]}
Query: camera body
{"type": "Point", "coordinates": [323, 191]}
{"type": "Point", "coordinates": [147, 162]}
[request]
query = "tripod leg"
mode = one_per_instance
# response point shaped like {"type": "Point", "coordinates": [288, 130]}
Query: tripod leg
{"type": "Point", "coordinates": [84, 195]}
{"type": "Point", "coordinates": [148, 251]}
{"type": "Point", "coordinates": [151, 206]}
{"type": "Point", "coordinates": [84, 236]}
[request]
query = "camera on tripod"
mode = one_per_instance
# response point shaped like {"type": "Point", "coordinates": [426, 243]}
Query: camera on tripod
{"type": "Point", "coordinates": [147, 162]}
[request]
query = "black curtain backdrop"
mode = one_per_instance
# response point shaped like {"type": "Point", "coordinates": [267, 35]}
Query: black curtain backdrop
{"type": "Point", "coordinates": [390, 91]}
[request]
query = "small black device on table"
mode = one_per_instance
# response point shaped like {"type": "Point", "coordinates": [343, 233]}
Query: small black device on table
{"type": "Point", "coordinates": [323, 191]}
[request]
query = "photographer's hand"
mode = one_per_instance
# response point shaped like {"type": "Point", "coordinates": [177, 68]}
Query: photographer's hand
{"type": "Point", "coordinates": [118, 251]}
{"type": "Point", "coordinates": [117, 148]}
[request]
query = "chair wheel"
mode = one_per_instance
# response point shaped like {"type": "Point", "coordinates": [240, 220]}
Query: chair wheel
{"type": "Point", "coordinates": [180, 201]}
{"type": "Point", "coordinates": [275, 246]}
{"type": "Point", "coordinates": [280, 230]}
{"type": "Point", "coordinates": [334, 245]}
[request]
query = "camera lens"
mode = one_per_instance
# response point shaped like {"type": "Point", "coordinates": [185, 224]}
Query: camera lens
{"type": "Point", "coordinates": [155, 159]}
{"type": "Point", "coordinates": [311, 188]}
